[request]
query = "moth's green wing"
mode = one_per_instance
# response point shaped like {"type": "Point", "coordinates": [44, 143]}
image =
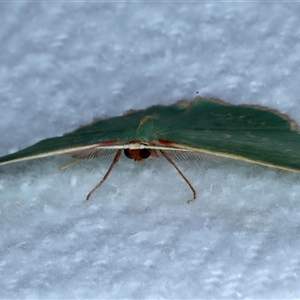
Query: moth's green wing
{"type": "Point", "coordinates": [243, 132]}
{"type": "Point", "coordinates": [116, 131]}
{"type": "Point", "coordinates": [250, 133]}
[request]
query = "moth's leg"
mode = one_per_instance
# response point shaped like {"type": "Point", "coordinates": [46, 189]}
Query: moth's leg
{"type": "Point", "coordinates": [116, 159]}
{"type": "Point", "coordinates": [171, 161]}
{"type": "Point", "coordinates": [71, 164]}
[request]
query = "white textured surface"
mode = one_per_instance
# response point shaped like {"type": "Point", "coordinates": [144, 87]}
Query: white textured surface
{"type": "Point", "coordinates": [63, 64]}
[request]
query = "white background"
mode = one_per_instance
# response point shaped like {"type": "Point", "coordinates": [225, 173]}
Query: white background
{"type": "Point", "coordinates": [63, 64]}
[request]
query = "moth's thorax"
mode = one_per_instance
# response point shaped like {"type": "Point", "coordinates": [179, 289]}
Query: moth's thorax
{"type": "Point", "coordinates": [146, 128]}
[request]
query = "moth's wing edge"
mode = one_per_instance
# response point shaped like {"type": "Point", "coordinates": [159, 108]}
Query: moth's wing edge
{"type": "Point", "coordinates": [85, 151]}
{"type": "Point", "coordinates": [170, 146]}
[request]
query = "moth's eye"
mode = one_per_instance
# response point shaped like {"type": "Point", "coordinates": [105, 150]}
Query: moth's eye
{"type": "Point", "coordinates": [128, 153]}
{"type": "Point", "coordinates": [144, 153]}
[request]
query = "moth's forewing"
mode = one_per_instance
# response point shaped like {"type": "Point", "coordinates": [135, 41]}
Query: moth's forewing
{"type": "Point", "coordinates": [249, 133]}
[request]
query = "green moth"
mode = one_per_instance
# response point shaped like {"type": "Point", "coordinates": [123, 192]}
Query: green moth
{"type": "Point", "coordinates": [179, 131]}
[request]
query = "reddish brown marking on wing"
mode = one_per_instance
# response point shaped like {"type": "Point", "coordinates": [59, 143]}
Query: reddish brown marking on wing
{"type": "Point", "coordinates": [108, 143]}
{"type": "Point", "coordinates": [165, 142]}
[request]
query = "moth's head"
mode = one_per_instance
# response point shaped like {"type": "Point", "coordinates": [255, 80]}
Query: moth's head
{"type": "Point", "coordinates": [137, 154]}
{"type": "Point", "coordinates": [138, 151]}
